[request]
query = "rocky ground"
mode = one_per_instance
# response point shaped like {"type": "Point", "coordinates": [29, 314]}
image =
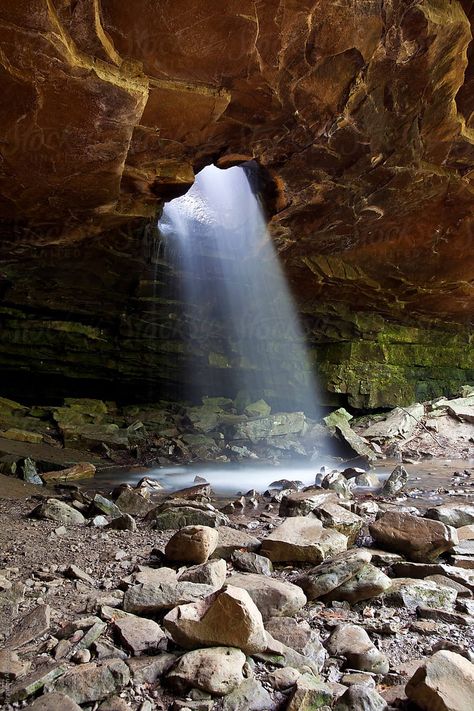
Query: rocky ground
{"type": "Point", "coordinates": [290, 599]}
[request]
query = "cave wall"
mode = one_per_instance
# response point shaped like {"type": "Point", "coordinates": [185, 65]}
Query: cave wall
{"type": "Point", "coordinates": [360, 113]}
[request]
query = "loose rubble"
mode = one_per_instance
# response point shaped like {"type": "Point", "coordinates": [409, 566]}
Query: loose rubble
{"type": "Point", "coordinates": [331, 596]}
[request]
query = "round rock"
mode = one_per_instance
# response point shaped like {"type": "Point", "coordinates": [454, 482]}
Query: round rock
{"type": "Point", "coordinates": [192, 544]}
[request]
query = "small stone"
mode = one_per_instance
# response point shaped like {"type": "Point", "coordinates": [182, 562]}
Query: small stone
{"type": "Point", "coordinates": [147, 670]}
{"type": "Point", "coordinates": [114, 703]}
{"type": "Point", "coordinates": [282, 679]}
{"type": "Point", "coordinates": [125, 522]}
{"type": "Point", "coordinates": [106, 506]}
{"type": "Point", "coordinates": [193, 544]}
{"type": "Point", "coordinates": [76, 573]}
{"type": "Point", "coordinates": [82, 656]}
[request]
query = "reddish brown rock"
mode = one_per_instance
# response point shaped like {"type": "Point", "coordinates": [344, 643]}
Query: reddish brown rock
{"type": "Point", "coordinates": [420, 539]}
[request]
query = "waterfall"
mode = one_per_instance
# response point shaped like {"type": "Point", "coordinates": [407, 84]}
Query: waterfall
{"type": "Point", "coordinates": [235, 294]}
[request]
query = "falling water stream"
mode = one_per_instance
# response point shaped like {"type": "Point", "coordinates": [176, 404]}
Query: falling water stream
{"type": "Point", "coordinates": [235, 293]}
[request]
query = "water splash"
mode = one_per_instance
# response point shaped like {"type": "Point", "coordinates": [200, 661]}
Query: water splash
{"type": "Point", "coordinates": [235, 293]}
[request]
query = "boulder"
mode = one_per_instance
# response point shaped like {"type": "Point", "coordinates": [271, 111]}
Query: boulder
{"type": "Point", "coordinates": [354, 644]}
{"type": "Point", "coordinates": [283, 679]}
{"type": "Point", "coordinates": [192, 544]}
{"type": "Point", "coordinates": [366, 583]}
{"type": "Point", "coordinates": [309, 694]}
{"type": "Point", "coordinates": [252, 563]}
{"type": "Point", "coordinates": [231, 540]}
{"type": "Point", "coordinates": [338, 421]}
{"type": "Point", "coordinates": [272, 597]}
{"type": "Point", "coordinates": [83, 470]}
{"type": "Point", "coordinates": [148, 669]}
{"type": "Point", "coordinates": [124, 522]}
{"type": "Point", "coordinates": [93, 682]}
{"type": "Point", "coordinates": [149, 598]}
{"type": "Point", "coordinates": [107, 507]}
{"type": "Point", "coordinates": [55, 510]}
{"type": "Point", "coordinates": [396, 482]}
{"type": "Point", "coordinates": [216, 670]}
{"type": "Point", "coordinates": [331, 574]}
{"type": "Point", "coordinates": [30, 627]}
{"type": "Point", "coordinates": [411, 593]}
{"type": "Point", "coordinates": [360, 697]}
{"type": "Point", "coordinates": [258, 409]}
{"type": "Point", "coordinates": [335, 481]}
{"type": "Point", "coordinates": [420, 539]}
{"type": "Point", "coordinates": [139, 635]}
{"type": "Point", "coordinates": [298, 636]}
{"type": "Point", "coordinates": [399, 423]}
{"type": "Point", "coordinates": [211, 573]}
{"type": "Point", "coordinates": [302, 539]}
{"type": "Point", "coordinates": [135, 502]}
{"type": "Point", "coordinates": [228, 617]}
{"type": "Point", "coordinates": [248, 696]}
{"type": "Point", "coordinates": [456, 515]}
{"type": "Point", "coordinates": [445, 682]}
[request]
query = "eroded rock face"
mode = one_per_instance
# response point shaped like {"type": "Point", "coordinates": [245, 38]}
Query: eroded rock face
{"type": "Point", "coordinates": [364, 136]}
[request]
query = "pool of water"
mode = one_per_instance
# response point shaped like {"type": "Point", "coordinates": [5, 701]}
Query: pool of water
{"type": "Point", "coordinates": [429, 481]}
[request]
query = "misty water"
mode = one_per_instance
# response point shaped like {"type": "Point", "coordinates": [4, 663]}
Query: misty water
{"type": "Point", "coordinates": [235, 293]}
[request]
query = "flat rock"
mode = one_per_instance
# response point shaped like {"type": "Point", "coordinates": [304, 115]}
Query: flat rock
{"type": "Point", "coordinates": [148, 598]}
{"type": "Point", "coordinates": [282, 423]}
{"type": "Point", "coordinates": [54, 702]}
{"type": "Point", "coordinates": [272, 597]}
{"type": "Point", "coordinates": [302, 539]}
{"type": "Point", "coordinates": [94, 682]}
{"type": "Point", "coordinates": [192, 544]}
{"type": "Point", "coordinates": [412, 593]}
{"type": "Point", "coordinates": [420, 539]}
{"type": "Point", "coordinates": [456, 515]}
{"type": "Point", "coordinates": [140, 635]}
{"type": "Point", "coordinates": [230, 540]}
{"type": "Point", "coordinates": [30, 627]}
{"type": "Point", "coordinates": [82, 470]}
{"type": "Point", "coordinates": [228, 618]}
{"type": "Point", "coordinates": [216, 670]}
{"type": "Point", "coordinates": [354, 644]}
{"type": "Point", "coordinates": [444, 682]}
{"type": "Point", "coordinates": [55, 510]}
{"type": "Point", "coordinates": [366, 583]}
{"type": "Point", "coordinates": [331, 574]}
{"type": "Point", "coordinates": [212, 573]}
{"type": "Point", "coordinates": [466, 533]}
